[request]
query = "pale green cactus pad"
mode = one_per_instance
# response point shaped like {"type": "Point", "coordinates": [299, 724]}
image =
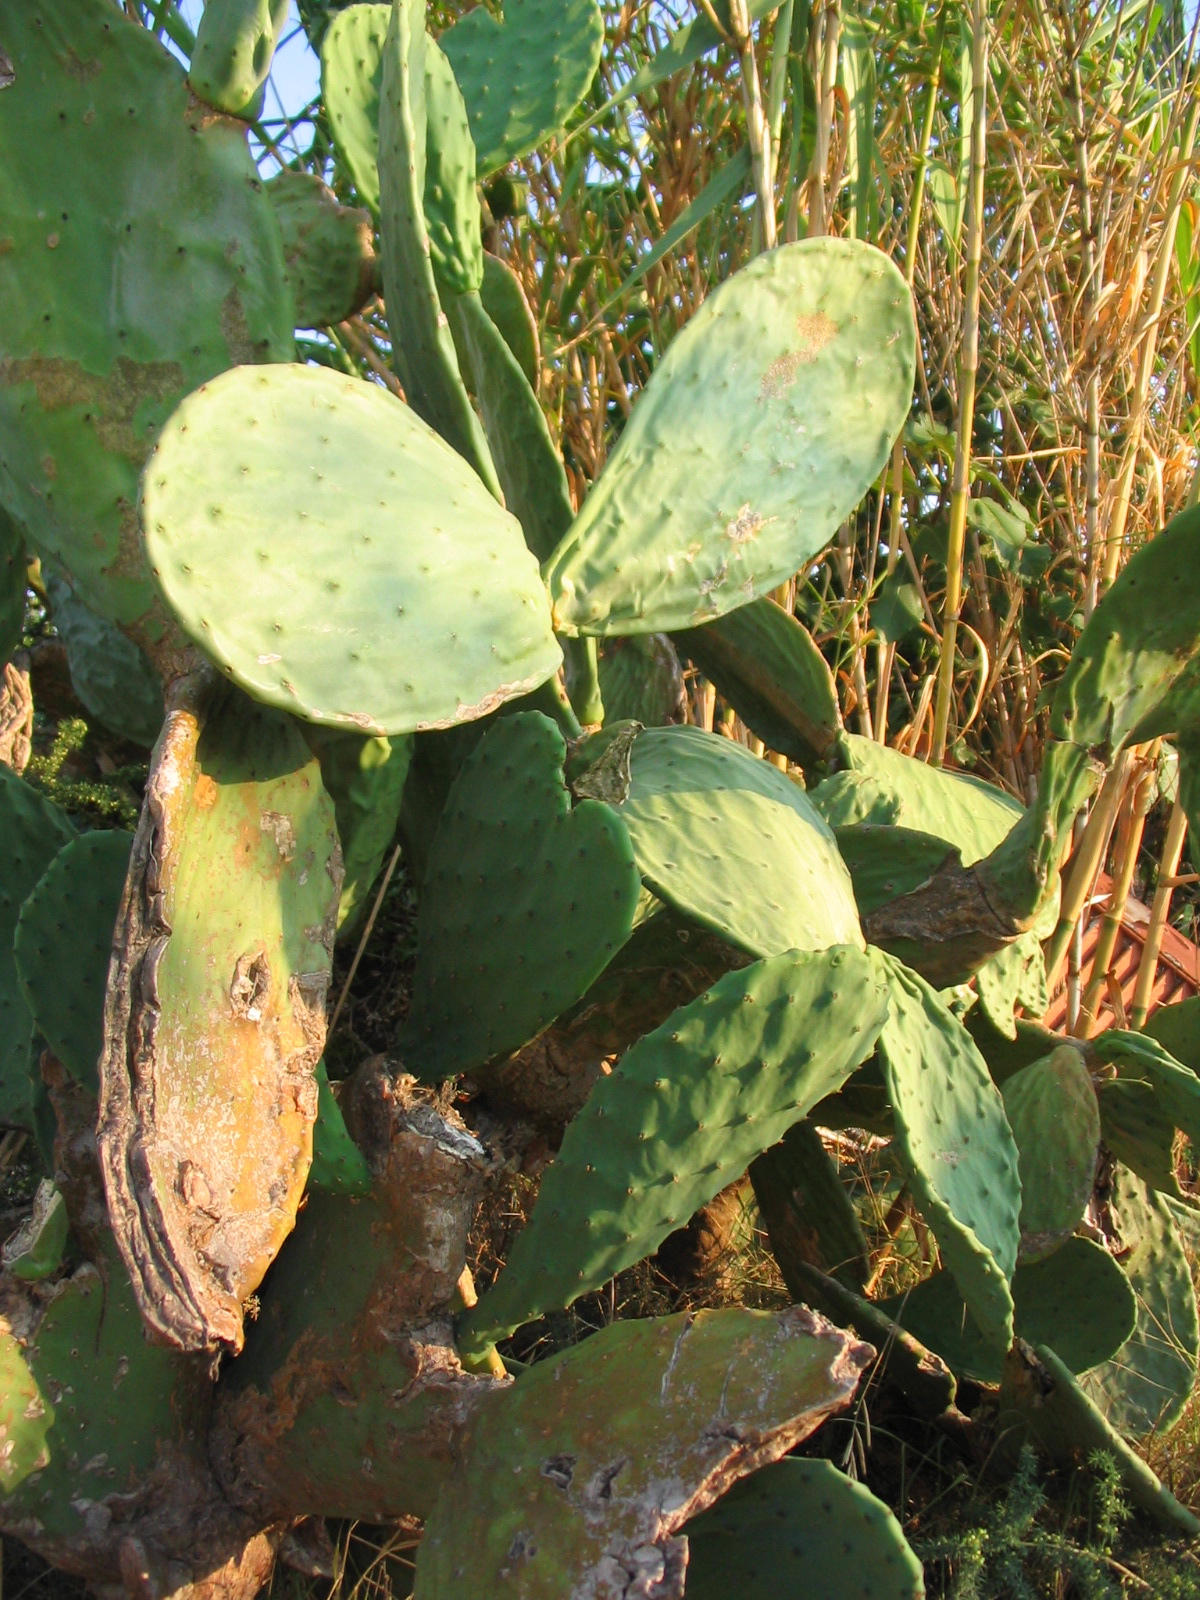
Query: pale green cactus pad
{"type": "Point", "coordinates": [504, 301]}
{"type": "Point", "coordinates": [383, 589]}
{"type": "Point", "coordinates": [142, 258]}
{"type": "Point", "coordinates": [956, 1145]}
{"type": "Point", "coordinates": [1055, 1119]}
{"type": "Point", "coordinates": [1077, 1300]}
{"type": "Point", "coordinates": [34, 830]}
{"type": "Point", "coordinates": [733, 843]}
{"type": "Point", "coordinates": [800, 1527]}
{"type": "Point", "coordinates": [235, 43]}
{"type": "Point", "coordinates": [1176, 1087]}
{"type": "Point", "coordinates": [525, 901]}
{"type": "Point", "coordinates": [1146, 1385]}
{"type": "Point", "coordinates": [579, 1478]}
{"type": "Point", "coordinates": [760, 430]}
{"type": "Point", "coordinates": [451, 205]}
{"type": "Point", "coordinates": [767, 667]}
{"type": "Point", "coordinates": [682, 1115]}
{"type": "Point", "coordinates": [351, 74]}
{"type": "Point", "coordinates": [63, 942]}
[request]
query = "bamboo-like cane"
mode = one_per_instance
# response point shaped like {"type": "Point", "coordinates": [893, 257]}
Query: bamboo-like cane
{"type": "Point", "coordinates": [1141, 798]}
{"type": "Point", "coordinates": [1091, 850]}
{"type": "Point", "coordinates": [968, 367]}
{"type": "Point", "coordinates": [1143, 988]}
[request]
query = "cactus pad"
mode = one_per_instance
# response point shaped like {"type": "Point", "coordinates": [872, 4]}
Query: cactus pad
{"type": "Point", "coordinates": [800, 1527]}
{"type": "Point", "coordinates": [525, 901]}
{"type": "Point", "coordinates": [808, 1213]}
{"type": "Point", "coordinates": [85, 1406]}
{"type": "Point", "coordinates": [451, 204]}
{"type": "Point", "coordinates": [956, 1145]}
{"type": "Point", "coordinates": [235, 42]}
{"type": "Point", "coordinates": [63, 942]}
{"type": "Point", "coordinates": [215, 1011]}
{"type": "Point", "coordinates": [682, 1115]}
{"type": "Point", "coordinates": [640, 680]}
{"type": "Point", "coordinates": [351, 74]}
{"type": "Point", "coordinates": [35, 1251]}
{"type": "Point", "coordinates": [364, 777]}
{"type": "Point", "coordinates": [1052, 1110]}
{"type": "Point", "coordinates": [504, 301]}
{"type": "Point", "coordinates": [161, 265]}
{"type": "Point", "coordinates": [767, 667]}
{"type": "Point", "coordinates": [522, 78]}
{"type": "Point", "coordinates": [1077, 1300]}
{"type": "Point", "coordinates": [112, 677]}
{"type": "Point", "coordinates": [1134, 650]}
{"type": "Point", "coordinates": [33, 831]}
{"type": "Point", "coordinates": [422, 346]}
{"type": "Point", "coordinates": [577, 1480]}
{"type": "Point", "coordinates": [759, 432]}
{"type": "Point", "coordinates": [1145, 1387]}
{"type": "Point", "coordinates": [1176, 1087]}
{"type": "Point", "coordinates": [338, 1165]}
{"type": "Point", "coordinates": [327, 249]}
{"type": "Point", "coordinates": [385, 589]}
{"type": "Point", "coordinates": [736, 845]}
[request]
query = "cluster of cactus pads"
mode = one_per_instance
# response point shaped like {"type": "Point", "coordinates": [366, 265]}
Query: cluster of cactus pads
{"type": "Point", "coordinates": [669, 960]}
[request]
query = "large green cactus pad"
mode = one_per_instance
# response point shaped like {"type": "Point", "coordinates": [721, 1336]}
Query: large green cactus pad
{"type": "Point", "coordinates": [215, 1011]}
{"type": "Point", "coordinates": [382, 588]}
{"type": "Point", "coordinates": [1176, 1087]}
{"type": "Point", "coordinates": [85, 1406]}
{"type": "Point", "coordinates": [681, 1116]}
{"type": "Point", "coordinates": [522, 79]}
{"type": "Point", "coordinates": [112, 677]}
{"type": "Point", "coordinates": [33, 831]}
{"type": "Point", "coordinates": [140, 258]}
{"type": "Point", "coordinates": [1077, 1300]}
{"type": "Point", "coordinates": [63, 943]}
{"type": "Point", "coordinates": [577, 1480]}
{"type": "Point", "coordinates": [733, 843]}
{"type": "Point", "coordinates": [1146, 1385]}
{"type": "Point", "coordinates": [526, 899]}
{"type": "Point", "coordinates": [800, 1527]}
{"type": "Point", "coordinates": [767, 667]}
{"type": "Point", "coordinates": [1055, 1119]}
{"type": "Point", "coordinates": [955, 1144]}
{"type": "Point", "coordinates": [883, 786]}
{"type": "Point", "coordinates": [759, 432]}
{"type": "Point", "coordinates": [1132, 671]}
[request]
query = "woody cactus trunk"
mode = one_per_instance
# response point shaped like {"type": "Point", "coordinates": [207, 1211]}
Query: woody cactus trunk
{"type": "Point", "coordinates": [240, 1304]}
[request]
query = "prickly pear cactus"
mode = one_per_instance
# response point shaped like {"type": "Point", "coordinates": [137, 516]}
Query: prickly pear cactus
{"type": "Point", "coordinates": [803, 360]}
{"type": "Point", "coordinates": [956, 1145]}
{"type": "Point", "coordinates": [34, 831]}
{"type": "Point", "coordinates": [112, 677]}
{"type": "Point", "coordinates": [1055, 1119]}
{"type": "Point", "coordinates": [734, 844]}
{"type": "Point", "coordinates": [143, 259]}
{"type": "Point", "coordinates": [63, 941]}
{"type": "Point", "coordinates": [681, 1116]}
{"type": "Point", "coordinates": [327, 249]}
{"type": "Point", "coordinates": [805, 1527]}
{"type": "Point", "coordinates": [526, 900]}
{"type": "Point", "coordinates": [235, 42]}
{"type": "Point", "coordinates": [342, 623]}
{"type": "Point", "coordinates": [215, 1011]}
{"type": "Point", "coordinates": [579, 1479]}
{"type": "Point", "coordinates": [1078, 1301]}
